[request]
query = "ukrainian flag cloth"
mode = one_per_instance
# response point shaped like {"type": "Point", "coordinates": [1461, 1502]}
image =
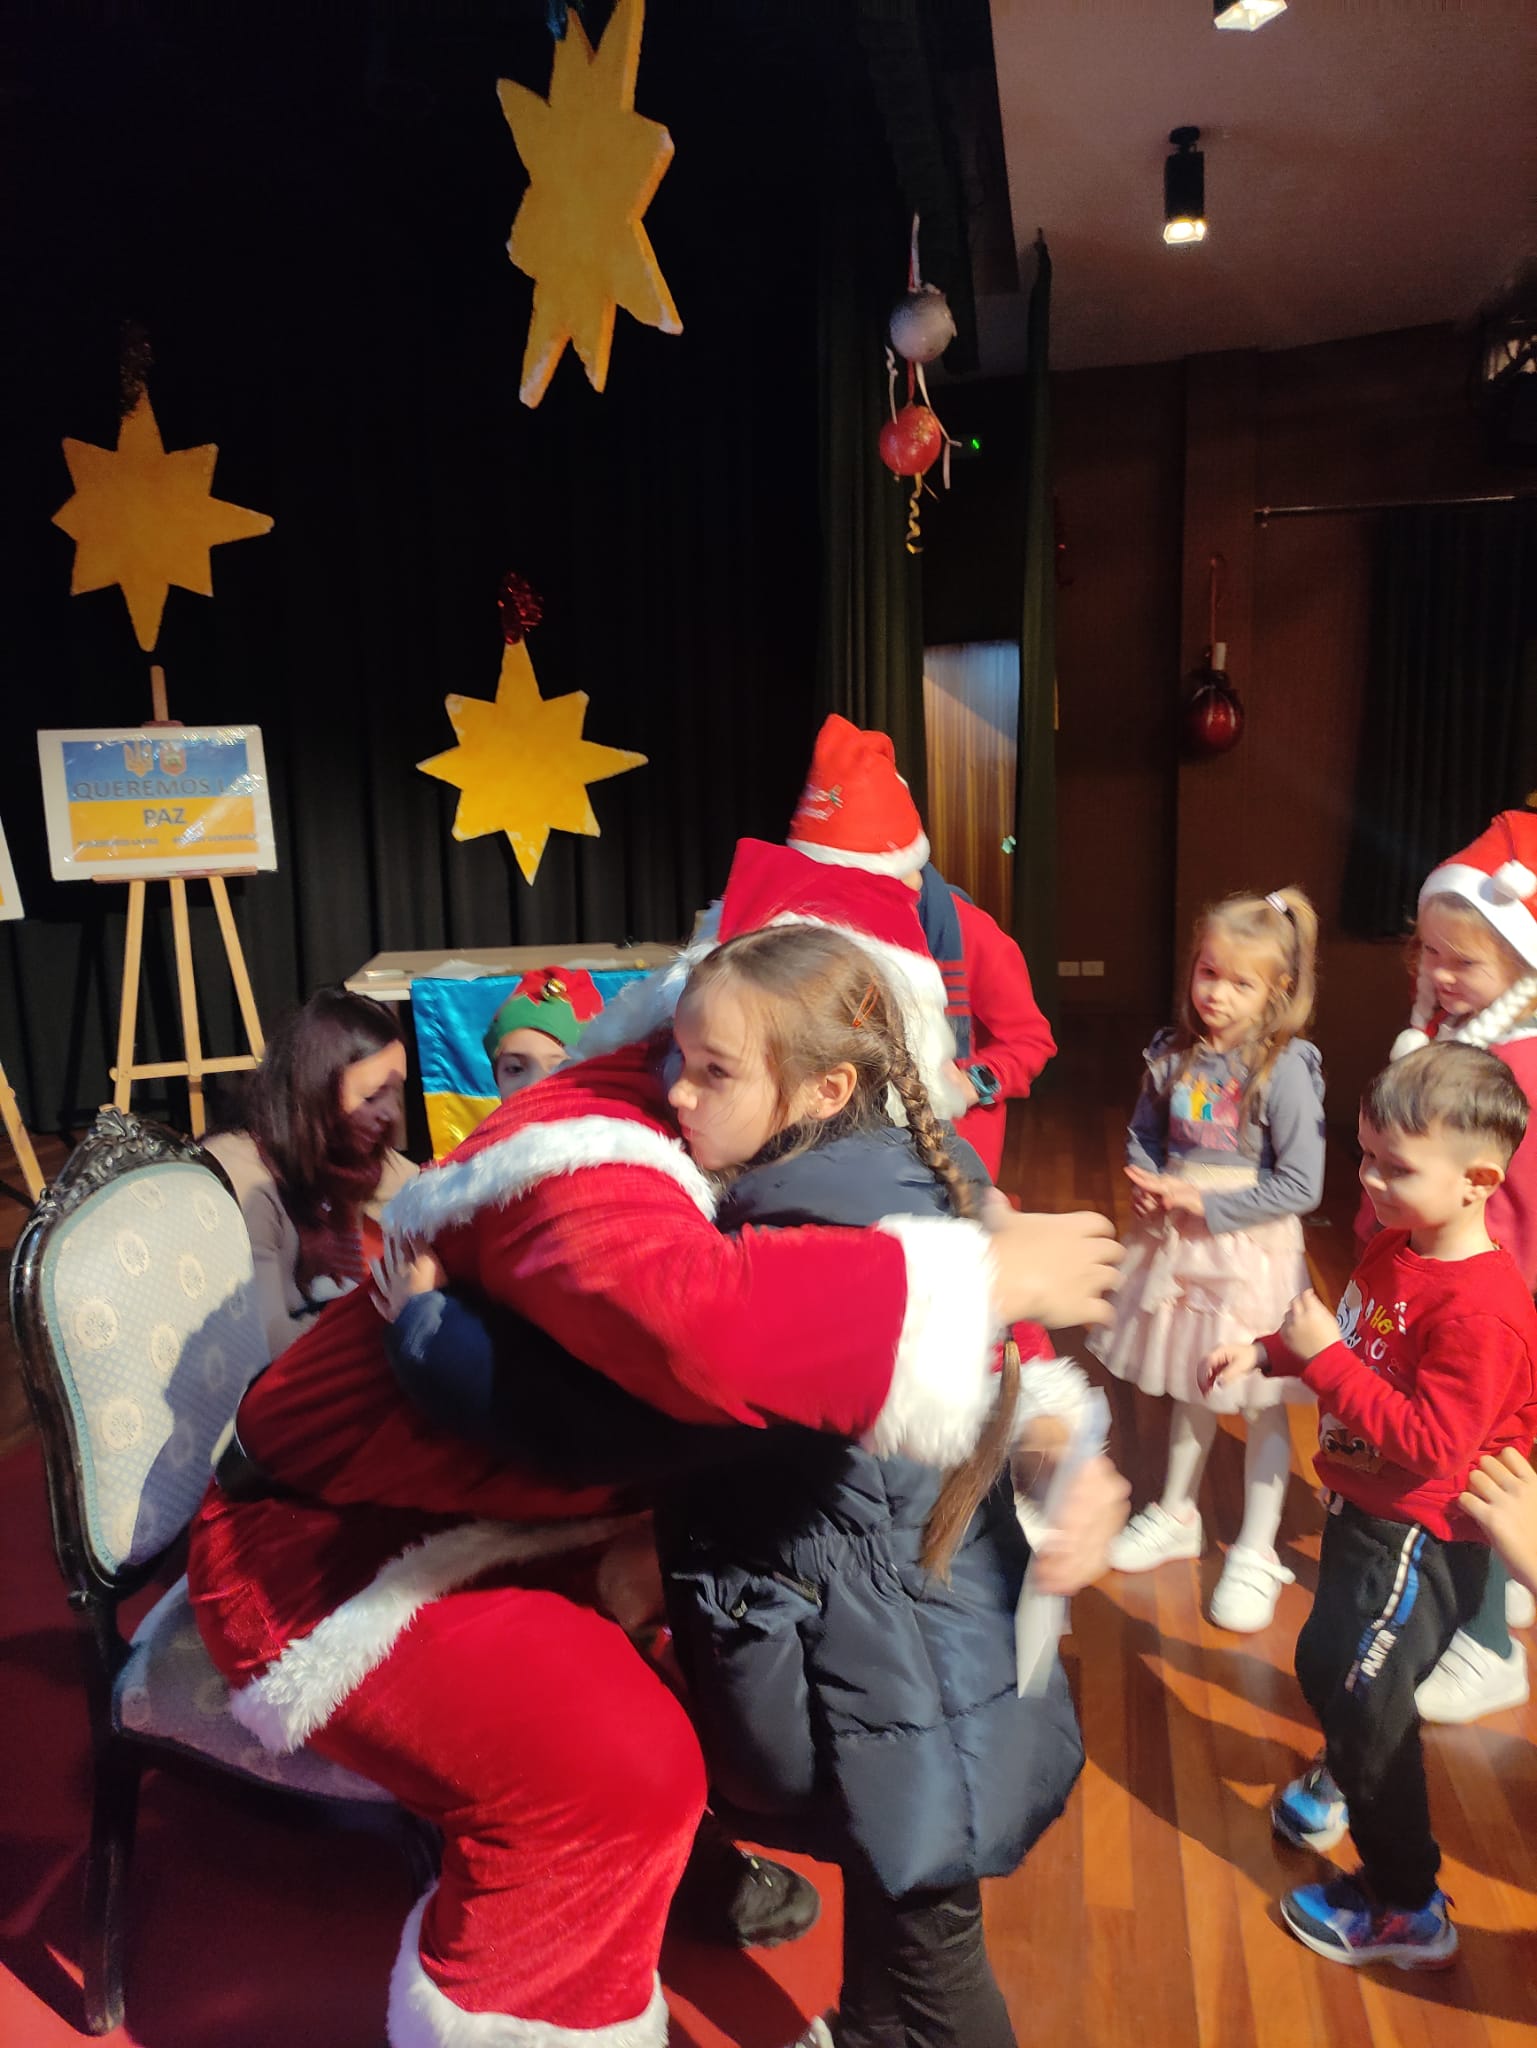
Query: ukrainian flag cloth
{"type": "Point", "coordinates": [451, 1019]}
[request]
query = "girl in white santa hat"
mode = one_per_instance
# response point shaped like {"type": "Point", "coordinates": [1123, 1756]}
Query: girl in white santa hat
{"type": "Point", "coordinates": [422, 1612]}
{"type": "Point", "coordinates": [1476, 984]}
{"type": "Point", "coordinates": [1225, 1156]}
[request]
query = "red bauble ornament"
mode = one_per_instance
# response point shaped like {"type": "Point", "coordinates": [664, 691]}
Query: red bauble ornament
{"type": "Point", "coordinates": [1213, 715]}
{"type": "Point", "coordinates": [522, 607]}
{"type": "Point", "coordinates": [911, 443]}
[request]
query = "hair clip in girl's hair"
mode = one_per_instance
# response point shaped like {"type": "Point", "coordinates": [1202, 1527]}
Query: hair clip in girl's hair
{"type": "Point", "coordinates": [1278, 902]}
{"type": "Point", "coordinates": [866, 1007]}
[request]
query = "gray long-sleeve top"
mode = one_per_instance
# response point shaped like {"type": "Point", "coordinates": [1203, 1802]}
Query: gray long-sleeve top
{"type": "Point", "coordinates": [1195, 1118]}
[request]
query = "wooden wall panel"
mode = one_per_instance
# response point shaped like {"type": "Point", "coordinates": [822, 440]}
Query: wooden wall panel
{"type": "Point", "coordinates": [971, 717]}
{"type": "Point", "coordinates": [1118, 437]}
{"type": "Point", "coordinates": [1157, 467]}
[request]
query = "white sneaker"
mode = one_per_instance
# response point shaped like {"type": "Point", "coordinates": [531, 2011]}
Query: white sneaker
{"type": "Point", "coordinates": [1246, 1594]}
{"type": "Point", "coordinates": [1520, 1607]}
{"type": "Point", "coordinates": [1153, 1538]}
{"type": "Point", "coordinates": [1471, 1681]}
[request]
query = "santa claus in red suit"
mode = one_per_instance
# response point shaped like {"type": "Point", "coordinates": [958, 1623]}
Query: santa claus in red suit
{"type": "Point", "coordinates": [857, 812]}
{"type": "Point", "coordinates": [418, 1611]}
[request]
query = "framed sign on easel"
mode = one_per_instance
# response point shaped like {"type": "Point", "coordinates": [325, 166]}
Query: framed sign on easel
{"type": "Point", "coordinates": [172, 803]}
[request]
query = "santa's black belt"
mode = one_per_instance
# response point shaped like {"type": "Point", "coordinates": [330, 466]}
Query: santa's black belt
{"type": "Point", "coordinates": [240, 1477]}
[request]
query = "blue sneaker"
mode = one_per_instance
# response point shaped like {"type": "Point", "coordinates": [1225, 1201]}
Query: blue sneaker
{"type": "Point", "coordinates": [1310, 1813]}
{"type": "Point", "coordinates": [1340, 1920]}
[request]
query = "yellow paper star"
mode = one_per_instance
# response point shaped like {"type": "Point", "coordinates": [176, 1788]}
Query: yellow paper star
{"type": "Point", "coordinates": [144, 516]}
{"type": "Point", "coordinates": [522, 766]}
{"type": "Point", "coordinates": [593, 167]}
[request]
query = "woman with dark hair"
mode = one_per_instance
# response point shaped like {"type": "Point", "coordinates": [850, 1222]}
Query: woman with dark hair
{"type": "Point", "coordinates": [316, 1153]}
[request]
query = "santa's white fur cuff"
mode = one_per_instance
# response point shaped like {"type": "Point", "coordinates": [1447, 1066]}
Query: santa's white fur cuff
{"type": "Point", "coordinates": [943, 1384]}
{"type": "Point", "coordinates": [1054, 1387]}
{"type": "Point", "coordinates": [421, 2016]}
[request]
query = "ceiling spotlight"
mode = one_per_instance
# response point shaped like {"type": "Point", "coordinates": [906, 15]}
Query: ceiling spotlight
{"type": "Point", "coordinates": [1184, 189]}
{"type": "Point", "coordinates": [1245, 14]}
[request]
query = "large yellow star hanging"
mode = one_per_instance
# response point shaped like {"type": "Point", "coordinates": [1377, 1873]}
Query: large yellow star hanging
{"type": "Point", "coordinates": [144, 516]}
{"type": "Point", "coordinates": [522, 766]}
{"type": "Point", "coordinates": [593, 167]}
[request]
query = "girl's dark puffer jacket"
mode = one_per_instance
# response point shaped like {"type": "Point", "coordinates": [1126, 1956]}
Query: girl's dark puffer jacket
{"type": "Point", "coordinates": [848, 1699]}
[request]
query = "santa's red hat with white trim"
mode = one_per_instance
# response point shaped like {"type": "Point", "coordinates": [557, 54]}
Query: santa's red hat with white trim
{"type": "Point", "coordinates": [776, 885]}
{"type": "Point", "coordinates": [856, 811]}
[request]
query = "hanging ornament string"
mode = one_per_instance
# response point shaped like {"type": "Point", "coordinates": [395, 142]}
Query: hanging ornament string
{"type": "Point", "coordinates": [913, 438]}
{"type": "Point", "coordinates": [1214, 571]}
{"type": "Point", "coordinates": [916, 289]}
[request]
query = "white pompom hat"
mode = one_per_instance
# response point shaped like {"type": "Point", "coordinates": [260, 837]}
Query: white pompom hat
{"type": "Point", "coordinates": [1497, 877]}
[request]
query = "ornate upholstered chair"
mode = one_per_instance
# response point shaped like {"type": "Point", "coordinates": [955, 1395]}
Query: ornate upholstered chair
{"type": "Point", "coordinates": [135, 1313]}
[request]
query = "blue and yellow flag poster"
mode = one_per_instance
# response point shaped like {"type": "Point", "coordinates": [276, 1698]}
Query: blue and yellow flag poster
{"type": "Point", "coordinates": [155, 800]}
{"type": "Point", "coordinates": [451, 1019]}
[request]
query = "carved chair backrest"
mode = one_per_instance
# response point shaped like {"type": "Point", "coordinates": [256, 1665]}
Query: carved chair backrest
{"type": "Point", "coordinates": [134, 1303]}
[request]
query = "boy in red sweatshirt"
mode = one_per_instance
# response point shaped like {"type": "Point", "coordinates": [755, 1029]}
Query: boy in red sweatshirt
{"type": "Point", "coordinates": [1432, 1364]}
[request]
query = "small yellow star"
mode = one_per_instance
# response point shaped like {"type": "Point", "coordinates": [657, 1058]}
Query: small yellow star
{"type": "Point", "coordinates": [593, 167]}
{"type": "Point", "coordinates": [144, 516]}
{"type": "Point", "coordinates": [521, 765]}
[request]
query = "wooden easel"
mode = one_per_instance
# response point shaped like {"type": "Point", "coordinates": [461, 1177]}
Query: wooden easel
{"type": "Point", "coordinates": [21, 1142]}
{"type": "Point", "coordinates": [193, 1064]}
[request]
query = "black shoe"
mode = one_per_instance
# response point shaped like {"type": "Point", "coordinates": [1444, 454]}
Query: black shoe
{"type": "Point", "coordinates": [734, 1900]}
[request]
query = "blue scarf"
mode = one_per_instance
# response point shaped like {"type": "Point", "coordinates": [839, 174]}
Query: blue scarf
{"type": "Point", "coordinates": [941, 923]}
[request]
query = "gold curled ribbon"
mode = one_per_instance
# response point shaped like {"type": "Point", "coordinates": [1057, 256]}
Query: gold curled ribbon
{"type": "Point", "coordinates": [914, 531]}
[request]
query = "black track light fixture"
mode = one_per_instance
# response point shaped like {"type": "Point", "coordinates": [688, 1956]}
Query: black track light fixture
{"type": "Point", "coordinates": [1184, 189]}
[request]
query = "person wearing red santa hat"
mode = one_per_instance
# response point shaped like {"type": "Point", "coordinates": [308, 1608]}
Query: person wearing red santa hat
{"type": "Point", "coordinates": [1476, 984]}
{"type": "Point", "coordinates": [857, 812]}
{"type": "Point", "coordinates": [419, 1610]}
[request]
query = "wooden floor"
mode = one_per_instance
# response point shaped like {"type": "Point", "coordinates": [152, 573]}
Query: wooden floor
{"type": "Point", "coordinates": [1147, 1915]}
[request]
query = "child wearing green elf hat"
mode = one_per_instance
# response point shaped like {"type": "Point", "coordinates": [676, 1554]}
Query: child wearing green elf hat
{"type": "Point", "coordinates": [536, 1027]}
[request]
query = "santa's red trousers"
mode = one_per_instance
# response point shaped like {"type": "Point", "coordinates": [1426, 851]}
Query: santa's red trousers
{"type": "Point", "coordinates": [567, 1782]}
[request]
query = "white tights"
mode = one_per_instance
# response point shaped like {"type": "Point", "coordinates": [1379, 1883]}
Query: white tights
{"type": "Point", "coordinates": [1266, 1467]}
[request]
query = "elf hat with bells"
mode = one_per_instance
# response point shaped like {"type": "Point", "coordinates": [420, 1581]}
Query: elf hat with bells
{"type": "Point", "coordinates": [559, 1001]}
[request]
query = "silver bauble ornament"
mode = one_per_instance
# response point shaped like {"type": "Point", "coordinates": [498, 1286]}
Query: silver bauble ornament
{"type": "Point", "coordinates": [922, 325]}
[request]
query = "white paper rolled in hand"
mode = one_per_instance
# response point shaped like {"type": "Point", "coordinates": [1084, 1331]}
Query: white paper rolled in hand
{"type": "Point", "coordinates": [1040, 1619]}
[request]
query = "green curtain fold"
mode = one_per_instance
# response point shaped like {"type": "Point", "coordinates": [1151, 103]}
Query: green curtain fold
{"type": "Point", "coordinates": [1449, 733]}
{"type": "Point", "coordinates": [1035, 775]}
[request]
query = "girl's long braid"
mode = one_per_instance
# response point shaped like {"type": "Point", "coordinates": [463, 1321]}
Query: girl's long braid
{"type": "Point", "coordinates": [966, 1485]}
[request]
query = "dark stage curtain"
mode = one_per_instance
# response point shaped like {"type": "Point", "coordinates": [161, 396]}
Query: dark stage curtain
{"type": "Point", "coordinates": [307, 212]}
{"type": "Point", "coordinates": [1035, 826]}
{"type": "Point", "coordinates": [1449, 730]}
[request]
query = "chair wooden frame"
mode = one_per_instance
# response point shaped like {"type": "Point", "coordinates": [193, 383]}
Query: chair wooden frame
{"type": "Point", "coordinates": [117, 1143]}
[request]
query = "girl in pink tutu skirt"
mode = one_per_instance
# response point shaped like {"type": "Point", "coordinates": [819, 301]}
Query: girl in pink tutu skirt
{"type": "Point", "coordinates": [1225, 1154]}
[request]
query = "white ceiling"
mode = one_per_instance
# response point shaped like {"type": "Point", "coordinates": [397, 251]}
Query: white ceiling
{"type": "Point", "coordinates": [1370, 164]}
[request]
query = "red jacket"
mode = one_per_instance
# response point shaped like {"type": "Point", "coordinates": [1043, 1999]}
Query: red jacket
{"type": "Point", "coordinates": [1436, 1364]}
{"type": "Point", "coordinates": [575, 1204]}
{"type": "Point", "coordinates": [1008, 1032]}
